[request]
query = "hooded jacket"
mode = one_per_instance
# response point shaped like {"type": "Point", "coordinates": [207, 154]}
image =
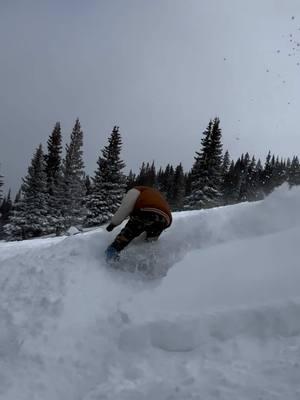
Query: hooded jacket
{"type": "Point", "coordinates": [142, 198]}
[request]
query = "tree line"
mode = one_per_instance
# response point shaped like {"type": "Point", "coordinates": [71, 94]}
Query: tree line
{"type": "Point", "coordinates": [56, 193]}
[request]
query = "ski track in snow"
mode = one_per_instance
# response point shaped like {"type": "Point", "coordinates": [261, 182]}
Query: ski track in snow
{"type": "Point", "coordinates": [223, 322]}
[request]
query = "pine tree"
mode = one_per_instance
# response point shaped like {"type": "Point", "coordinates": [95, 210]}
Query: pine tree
{"type": "Point", "coordinates": [142, 176]}
{"type": "Point", "coordinates": [71, 189]}
{"type": "Point", "coordinates": [29, 217]}
{"type": "Point", "coordinates": [169, 182]}
{"type": "Point", "coordinates": [188, 183]}
{"type": "Point", "coordinates": [200, 172]}
{"type": "Point", "coordinates": [232, 183]}
{"type": "Point", "coordinates": [178, 189]}
{"type": "Point", "coordinates": [109, 182]}
{"type": "Point", "coordinates": [88, 185]}
{"type": "Point", "coordinates": [207, 170]}
{"type": "Point", "coordinates": [288, 165]}
{"type": "Point", "coordinates": [130, 180]}
{"type": "Point", "coordinates": [251, 186]}
{"type": "Point", "coordinates": [284, 171]}
{"type": "Point", "coordinates": [151, 175]}
{"type": "Point", "coordinates": [54, 179]}
{"type": "Point", "coordinates": [279, 172]}
{"type": "Point", "coordinates": [259, 171]}
{"type": "Point", "coordinates": [244, 166]}
{"type": "Point", "coordinates": [160, 178]}
{"type": "Point", "coordinates": [147, 175]}
{"type": "Point", "coordinates": [1, 185]}
{"type": "Point", "coordinates": [225, 163]}
{"type": "Point", "coordinates": [12, 230]}
{"type": "Point", "coordinates": [5, 208]}
{"type": "Point", "coordinates": [53, 159]}
{"type": "Point", "coordinates": [224, 171]}
{"type": "Point", "coordinates": [216, 159]}
{"type": "Point", "coordinates": [165, 182]}
{"type": "Point", "coordinates": [18, 195]}
{"type": "Point", "coordinates": [294, 172]}
{"type": "Point", "coordinates": [2, 206]}
{"type": "Point", "coordinates": [267, 175]}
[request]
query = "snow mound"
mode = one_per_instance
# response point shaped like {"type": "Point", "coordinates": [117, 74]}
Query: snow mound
{"type": "Point", "coordinates": [72, 231]}
{"type": "Point", "coordinates": [222, 323]}
{"type": "Point", "coordinates": [186, 333]}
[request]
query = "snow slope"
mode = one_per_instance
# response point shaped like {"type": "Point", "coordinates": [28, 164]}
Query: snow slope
{"type": "Point", "coordinates": [223, 323]}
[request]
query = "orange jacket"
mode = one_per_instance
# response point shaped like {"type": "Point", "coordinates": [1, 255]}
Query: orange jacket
{"type": "Point", "coordinates": [142, 198]}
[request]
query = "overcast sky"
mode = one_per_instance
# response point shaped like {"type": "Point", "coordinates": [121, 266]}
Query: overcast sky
{"type": "Point", "coordinates": [160, 69]}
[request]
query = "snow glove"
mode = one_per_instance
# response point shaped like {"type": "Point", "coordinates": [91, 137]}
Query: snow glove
{"type": "Point", "coordinates": [110, 227]}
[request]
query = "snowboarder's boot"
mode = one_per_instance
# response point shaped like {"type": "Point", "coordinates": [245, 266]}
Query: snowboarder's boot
{"type": "Point", "coordinates": [112, 254]}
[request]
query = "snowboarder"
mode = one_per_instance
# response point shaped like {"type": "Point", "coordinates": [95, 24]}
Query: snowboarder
{"type": "Point", "coordinates": [148, 212]}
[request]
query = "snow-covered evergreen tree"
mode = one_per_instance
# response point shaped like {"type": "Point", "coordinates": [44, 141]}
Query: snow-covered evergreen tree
{"type": "Point", "coordinates": [178, 189]}
{"type": "Point", "coordinates": [2, 205]}
{"type": "Point", "coordinates": [88, 185]}
{"type": "Point", "coordinates": [54, 179]}
{"type": "Point", "coordinates": [1, 186]}
{"type": "Point", "coordinates": [225, 163]}
{"type": "Point", "coordinates": [288, 166]}
{"type": "Point", "coordinates": [12, 230]}
{"type": "Point", "coordinates": [53, 158]}
{"type": "Point", "coordinates": [5, 208]}
{"type": "Point", "coordinates": [232, 183]}
{"type": "Point", "coordinates": [160, 179]}
{"type": "Point", "coordinates": [224, 171]}
{"type": "Point", "coordinates": [216, 164]}
{"type": "Point", "coordinates": [252, 182]}
{"type": "Point", "coordinates": [147, 175]}
{"type": "Point", "coordinates": [165, 182]}
{"type": "Point", "coordinates": [151, 175]}
{"type": "Point", "coordinates": [188, 183]}
{"type": "Point", "coordinates": [244, 165]}
{"type": "Point", "coordinates": [72, 189]}
{"type": "Point", "coordinates": [250, 188]}
{"type": "Point", "coordinates": [280, 174]}
{"type": "Point", "coordinates": [294, 172]}
{"type": "Point", "coordinates": [267, 175]}
{"type": "Point", "coordinates": [207, 170]}
{"type": "Point", "coordinates": [130, 180]}
{"type": "Point", "coordinates": [18, 196]}
{"type": "Point", "coordinates": [200, 172]}
{"type": "Point", "coordinates": [109, 183]}
{"type": "Point", "coordinates": [29, 217]}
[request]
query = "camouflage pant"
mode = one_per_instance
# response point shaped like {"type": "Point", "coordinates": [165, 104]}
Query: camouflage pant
{"type": "Point", "coordinates": [143, 221]}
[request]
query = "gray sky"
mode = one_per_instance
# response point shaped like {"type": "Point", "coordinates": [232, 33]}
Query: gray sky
{"type": "Point", "coordinates": [160, 69]}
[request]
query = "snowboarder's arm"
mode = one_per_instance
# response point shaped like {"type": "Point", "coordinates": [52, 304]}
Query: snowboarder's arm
{"type": "Point", "coordinates": [126, 206]}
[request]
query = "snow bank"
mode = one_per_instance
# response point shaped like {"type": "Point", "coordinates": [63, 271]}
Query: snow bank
{"type": "Point", "coordinates": [222, 324]}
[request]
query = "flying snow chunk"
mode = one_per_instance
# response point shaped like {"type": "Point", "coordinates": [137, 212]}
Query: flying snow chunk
{"type": "Point", "coordinates": [72, 231]}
